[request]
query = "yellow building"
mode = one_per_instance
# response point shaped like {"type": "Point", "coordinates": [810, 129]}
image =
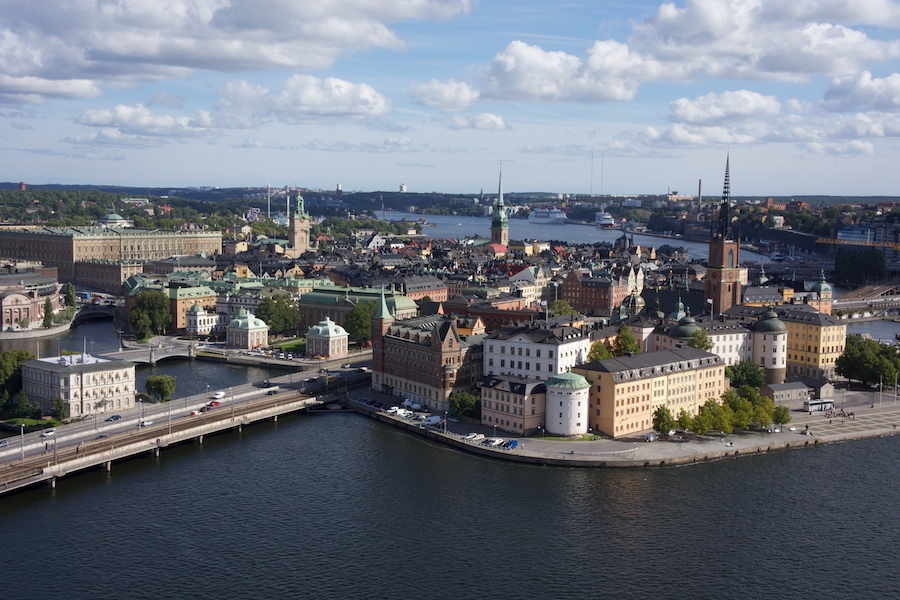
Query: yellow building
{"type": "Point", "coordinates": [626, 391]}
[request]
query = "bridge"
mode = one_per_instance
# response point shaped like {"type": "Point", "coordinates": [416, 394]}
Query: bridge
{"type": "Point", "coordinates": [878, 299]}
{"type": "Point", "coordinates": [152, 353]}
{"type": "Point", "coordinates": [92, 312]}
{"type": "Point", "coordinates": [103, 451]}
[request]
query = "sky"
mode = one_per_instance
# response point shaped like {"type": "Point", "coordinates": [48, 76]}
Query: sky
{"type": "Point", "coordinates": [571, 96]}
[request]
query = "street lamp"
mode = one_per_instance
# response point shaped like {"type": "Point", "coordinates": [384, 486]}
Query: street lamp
{"type": "Point", "coordinates": [22, 433]}
{"type": "Point", "coordinates": [495, 431]}
{"type": "Point", "coordinates": [232, 403]}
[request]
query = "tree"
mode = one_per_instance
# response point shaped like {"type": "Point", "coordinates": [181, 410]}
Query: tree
{"type": "Point", "coordinates": [59, 410]}
{"type": "Point", "coordinates": [701, 340]}
{"type": "Point", "coordinates": [150, 313]}
{"type": "Point", "coordinates": [48, 314]}
{"type": "Point", "coordinates": [663, 421]}
{"type": "Point", "coordinates": [702, 422]}
{"type": "Point", "coordinates": [599, 351]}
{"type": "Point", "coordinates": [71, 299]}
{"type": "Point", "coordinates": [746, 372]}
{"type": "Point", "coordinates": [625, 342]}
{"type": "Point", "coordinates": [781, 415]}
{"type": "Point", "coordinates": [463, 403]}
{"type": "Point", "coordinates": [684, 420]}
{"type": "Point", "coordinates": [160, 387]}
{"type": "Point", "coordinates": [561, 308]}
{"type": "Point", "coordinates": [10, 371]}
{"type": "Point", "coordinates": [358, 322]}
{"type": "Point", "coordinates": [280, 313]}
{"type": "Point", "coordinates": [741, 409]}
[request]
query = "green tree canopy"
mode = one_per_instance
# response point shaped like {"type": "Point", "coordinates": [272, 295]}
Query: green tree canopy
{"type": "Point", "coordinates": [868, 361]}
{"type": "Point", "coordinates": [684, 420]}
{"type": "Point", "coordinates": [60, 409]}
{"type": "Point", "coordinates": [746, 372]}
{"type": "Point", "coordinates": [48, 314]}
{"type": "Point", "coordinates": [280, 313]}
{"type": "Point", "coordinates": [663, 421]}
{"type": "Point", "coordinates": [358, 322]}
{"type": "Point", "coordinates": [561, 308]}
{"type": "Point", "coordinates": [150, 313]}
{"type": "Point", "coordinates": [464, 403]}
{"type": "Point", "coordinates": [781, 415]}
{"type": "Point", "coordinates": [160, 387]}
{"type": "Point", "coordinates": [599, 351]}
{"type": "Point", "coordinates": [625, 342]}
{"type": "Point", "coordinates": [701, 340]}
{"type": "Point", "coordinates": [71, 299]}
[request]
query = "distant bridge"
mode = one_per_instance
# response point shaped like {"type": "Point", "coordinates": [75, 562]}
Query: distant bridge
{"type": "Point", "coordinates": [152, 354]}
{"type": "Point", "coordinates": [91, 312]}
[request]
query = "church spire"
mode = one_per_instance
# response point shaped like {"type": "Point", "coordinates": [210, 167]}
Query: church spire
{"type": "Point", "coordinates": [725, 207]}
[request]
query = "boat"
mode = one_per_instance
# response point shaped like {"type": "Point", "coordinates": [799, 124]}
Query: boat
{"type": "Point", "coordinates": [604, 220]}
{"type": "Point", "coordinates": [547, 216]}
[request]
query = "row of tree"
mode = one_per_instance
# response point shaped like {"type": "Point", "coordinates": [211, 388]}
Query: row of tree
{"type": "Point", "coordinates": [741, 408]}
{"type": "Point", "coordinates": [868, 361]}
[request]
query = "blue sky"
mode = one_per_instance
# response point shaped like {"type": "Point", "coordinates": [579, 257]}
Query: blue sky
{"type": "Point", "coordinates": [369, 94]}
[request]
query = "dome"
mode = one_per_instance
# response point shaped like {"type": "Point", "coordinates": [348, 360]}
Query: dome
{"type": "Point", "coordinates": [196, 308]}
{"type": "Point", "coordinates": [326, 328]}
{"type": "Point", "coordinates": [769, 323]}
{"type": "Point", "coordinates": [568, 381]}
{"type": "Point", "coordinates": [246, 320]}
{"type": "Point", "coordinates": [685, 329]}
{"type": "Point", "coordinates": [113, 217]}
{"type": "Point", "coordinates": [821, 287]}
{"type": "Point", "coordinates": [633, 303]}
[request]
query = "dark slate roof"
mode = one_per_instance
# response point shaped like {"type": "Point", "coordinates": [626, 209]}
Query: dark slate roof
{"type": "Point", "coordinates": [651, 364]}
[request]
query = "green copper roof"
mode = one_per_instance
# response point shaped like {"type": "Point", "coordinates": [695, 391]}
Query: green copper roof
{"type": "Point", "coordinates": [568, 381]}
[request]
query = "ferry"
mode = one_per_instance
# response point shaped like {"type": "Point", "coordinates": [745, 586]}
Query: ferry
{"type": "Point", "coordinates": [604, 220]}
{"type": "Point", "coordinates": [547, 216]}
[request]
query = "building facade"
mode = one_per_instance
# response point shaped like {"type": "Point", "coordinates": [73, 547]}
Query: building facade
{"type": "Point", "coordinates": [625, 391]}
{"type": "Point", "coordinates": [86, 384]}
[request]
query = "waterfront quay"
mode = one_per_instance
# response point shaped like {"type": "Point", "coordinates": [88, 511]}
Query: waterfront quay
{"type": "Point", "coordinates": [43, 459]}
{"type": "Point", "coordinates": [872, 416]}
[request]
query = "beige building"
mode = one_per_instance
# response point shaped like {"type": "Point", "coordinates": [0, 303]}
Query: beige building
{"type": "Point", "coordinates": [625, 391]}
{"type": "Point", "coordinates": [88, 385]}
{"type": "Point", "coordinates": [62, 247]}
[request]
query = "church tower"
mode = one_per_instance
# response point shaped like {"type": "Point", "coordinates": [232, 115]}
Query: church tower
{"type": "Point", "coordinates": [500, 220]}
{"type": "Point", "coordinates": [724, 276]}
{"type": "Point", "coordinates": [381, 322]}
{"type": "Point", "coordinates": [298, 230]}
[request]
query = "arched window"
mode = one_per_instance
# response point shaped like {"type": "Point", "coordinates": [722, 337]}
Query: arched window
{"type": "Point", "coordinates": [731, 259]}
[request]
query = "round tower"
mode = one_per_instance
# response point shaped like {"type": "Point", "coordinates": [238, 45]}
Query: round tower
{"type": "Point", "coordinates": [567, 407]}
{"type": "Point", "coordinates": [770, 346]}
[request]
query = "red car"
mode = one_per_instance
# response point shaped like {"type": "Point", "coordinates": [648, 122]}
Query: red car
{"type": "Point", "coordinates": [214, 403]}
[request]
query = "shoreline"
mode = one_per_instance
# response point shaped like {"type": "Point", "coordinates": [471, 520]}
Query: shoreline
{"type": "Point", "coordinates": [811, 431]}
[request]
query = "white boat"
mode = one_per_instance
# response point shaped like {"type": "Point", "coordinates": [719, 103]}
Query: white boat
{"type": "Point", "coordinates": [604, 220]}
{"type": "Point", "coordinates": [547, 216]}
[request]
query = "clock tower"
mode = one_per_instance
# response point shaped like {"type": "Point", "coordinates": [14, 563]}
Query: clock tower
{"type": "Point", "coordinates": [724, 276]}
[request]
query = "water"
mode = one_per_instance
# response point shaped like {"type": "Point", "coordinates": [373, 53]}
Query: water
{"type": "Point", "coordinates": [457, 227]}
{"type": "Point", "coordinates": [191, 377]}
{"type": "Point", "coordinates": [339, 506]}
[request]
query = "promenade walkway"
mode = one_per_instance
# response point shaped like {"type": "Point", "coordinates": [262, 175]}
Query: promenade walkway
{"type": "Point", "coordinates": [804, 430]}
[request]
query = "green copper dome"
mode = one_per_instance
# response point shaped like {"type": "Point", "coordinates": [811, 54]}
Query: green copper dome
{"type": "Point", "coordinates": [769, 323]}
{"type": "Point", "coordinates": [569, 381]}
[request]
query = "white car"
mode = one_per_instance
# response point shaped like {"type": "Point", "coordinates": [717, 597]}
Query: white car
{"type": "Point", "coordinates": [218, 395]}
{"type": "Point", "coordinates": [145, 423]}
{"type": "Point", "coordinates": [48, 433]}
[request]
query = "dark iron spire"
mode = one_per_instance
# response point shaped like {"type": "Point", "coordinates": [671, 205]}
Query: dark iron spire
{"type": "Point", "coordinates": [725, 208]}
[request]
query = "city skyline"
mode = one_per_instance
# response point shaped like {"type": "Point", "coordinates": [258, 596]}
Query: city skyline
{"type": "Point", "coordinates": [580, 97]}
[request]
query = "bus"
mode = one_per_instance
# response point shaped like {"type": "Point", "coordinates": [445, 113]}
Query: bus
{"type": "Point", "coordinates": [811, 406]}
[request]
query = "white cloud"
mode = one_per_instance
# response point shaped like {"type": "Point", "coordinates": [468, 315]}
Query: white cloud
{"type": "Point", "coordinates": [139, 120]}
{"type": "Point", "coordinates": [304, 96]}
{"type": "Point", "coordinates": [726, 107]}
{"type": "Point", "coordinates": [444, 95]}
{"type": "Point", "coordinates": [483, 122]}
{"type": "Point", "coordinates": [863, 91]}
{"type": "Point", "coordinates": [110, 42]}
{"type": "Point", "coordinates": [400, 144]}
{"type": "Point", "coordinates": [609, 72]}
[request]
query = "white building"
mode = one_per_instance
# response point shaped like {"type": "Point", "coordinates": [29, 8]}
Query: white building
{"type": "Point", "coordinates": [327, 339]}
{"type": "Point", "coordinates": [87, 384]}
{"type": "Point", "coordinates": [567, 404]}
{"type": "Point", "coordinates": [535, 351]}
{"type": "Point", "coordinates": [201, 322]}
{"type": "Point", "coordinates": [246, 332]}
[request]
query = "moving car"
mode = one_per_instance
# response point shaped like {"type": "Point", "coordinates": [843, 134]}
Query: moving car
{"type": "Point", "coordinates": [4, 443]}
{"type": "Point", "coordinates": [48, 433]}
{"type": "Point", "coordinates": [214, 404]}
{"type": "Point", "coordinates": [195, 413]}
{"type": "Point", "coordinates": [218, 396]}
{"type": "Point", "coordinates": [114, 418]}
{"type": "Point", "coordinates": [145, 423]}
